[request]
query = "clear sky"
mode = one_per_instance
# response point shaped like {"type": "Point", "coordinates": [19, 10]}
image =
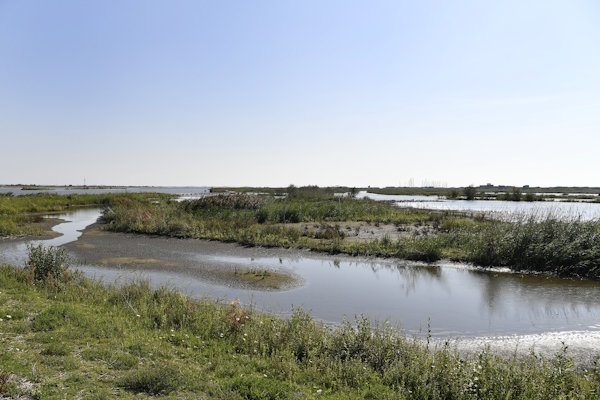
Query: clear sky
{"type": "Point", "coordinates": [305, 92]}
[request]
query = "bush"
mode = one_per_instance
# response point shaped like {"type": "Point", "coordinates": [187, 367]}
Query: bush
{"type": "Point", "coordinates": [46, 264]}
{"type": "Point", "coordinates": [470, 192]}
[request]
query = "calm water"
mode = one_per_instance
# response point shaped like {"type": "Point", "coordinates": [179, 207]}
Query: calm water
{"type": "Point", "coordinates": [459, 301]}
{"type": "Point", "coordinates": [180, 190]}
{"type": "Point", "coordinates": [396, 197]}
{"type": "Point", "coordinates": [14, 252]}
{"type": "Point", "coordinates": [566, 210]}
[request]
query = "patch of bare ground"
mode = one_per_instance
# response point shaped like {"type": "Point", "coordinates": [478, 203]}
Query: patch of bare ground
{"type": "Point", "coordinates": [361, 232]}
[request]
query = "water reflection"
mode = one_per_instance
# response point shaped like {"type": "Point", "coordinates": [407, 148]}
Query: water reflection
{"type": "Point", "coordinates": [500, 208]}
{"type": "Point", "coordinates": [15, 252]}
{"type": "Point", "coordinates": [458, 300]}
{"type": "Point", "coordinates": [512, 209]}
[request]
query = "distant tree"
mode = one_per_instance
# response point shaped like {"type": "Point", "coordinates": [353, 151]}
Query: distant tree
{"type": "Point", "coordinates": [352, 193]}
{"type": "Point", "coordinates": [453, 194]}
{"type": "Point", "coordinates": [292, 190]}
{"type": "Point", "coordinates": [530, 197]}
{"type": "Point", "coordinates": [470, 192]}
{"type": "Point", "coordinates": [516, 194]}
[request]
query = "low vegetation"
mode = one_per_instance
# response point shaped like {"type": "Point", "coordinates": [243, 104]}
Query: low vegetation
{"type": "Point", "coordinates": [23, 215]}
{"type": "Point", "coordinates": [76, 338]}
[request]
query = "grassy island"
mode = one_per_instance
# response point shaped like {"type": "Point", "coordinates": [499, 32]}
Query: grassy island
{"type": "Point", "coordinates": [315, 219]}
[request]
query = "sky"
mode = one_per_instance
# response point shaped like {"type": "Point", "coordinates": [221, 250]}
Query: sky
{"type": "Point", "coordinates": [270, 93]}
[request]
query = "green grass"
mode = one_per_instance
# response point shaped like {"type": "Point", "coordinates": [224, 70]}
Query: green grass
{"type": "Point", "coordinates": [21, 215]}
{"type": "Point", "coordinates": [87, 340]}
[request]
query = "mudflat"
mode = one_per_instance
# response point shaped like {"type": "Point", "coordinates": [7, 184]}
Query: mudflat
{"type": "Point", "coordinates": [192, 256]}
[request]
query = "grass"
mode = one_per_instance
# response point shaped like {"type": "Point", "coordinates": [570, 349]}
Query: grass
{"type": "Point", "coordinates": [547, 245]}
{"type": "Point", "coordinates": [22, 215]}
{"type": "Point", "coordinates": [82, 339]}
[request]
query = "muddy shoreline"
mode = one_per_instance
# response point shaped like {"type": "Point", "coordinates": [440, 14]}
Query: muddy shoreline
{"type": "Point", "coordinates": [172, 255]}
{"type": "Point", "coordinates": [45, 226]}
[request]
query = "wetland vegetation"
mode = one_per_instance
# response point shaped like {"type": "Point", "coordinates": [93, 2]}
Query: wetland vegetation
{"type": "Point", "coordinates": [68, 336]}
{"type": "Point", "coordinates": [61, 332]}
{"type": "Point", "coordinates": [315, 219]}
{"type": "Point", "coordinates": [23, 215]}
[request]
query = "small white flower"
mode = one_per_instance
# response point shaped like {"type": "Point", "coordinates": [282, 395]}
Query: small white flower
{"type": "Point", "coordinates": [319, 391]}
{"type": "Point", "coordinates": [138, 315]}
{"type": "Point", "coordinates": [265, 375]}
{"type": "Point", "coordinates": [8, 316]}
{"type": "Point", "coordinates": [221, 335]}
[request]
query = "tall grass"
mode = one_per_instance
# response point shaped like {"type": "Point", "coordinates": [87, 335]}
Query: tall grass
{"type": "Point", "coordinates": [570, 248]}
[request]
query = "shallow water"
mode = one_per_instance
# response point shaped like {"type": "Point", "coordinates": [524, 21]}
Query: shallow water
{"type": "Point", "coordinates": [454, 299]}
{"type": "Point", "coordinates": [15, 252]}
{"type": "Point", "coordinates": [500, 208]}
{"type": "Point", "coordinates": [191, 191]}
{"type": "Point", "coordinates": [396, 197]}
{"type": "Point", "coordinates": [541, 209]}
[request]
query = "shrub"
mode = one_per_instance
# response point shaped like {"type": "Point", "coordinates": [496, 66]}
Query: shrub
{"type": "Point", "coordinates": [516, 194]}
{"type": "Point", "coordinates": [470, 192]}
{"type": "Point", "coordinates": [46, 264]}
{"type": "Point", "coordinates": [530, 197]}
{"type": "Point", "coordinates": [262, 216]}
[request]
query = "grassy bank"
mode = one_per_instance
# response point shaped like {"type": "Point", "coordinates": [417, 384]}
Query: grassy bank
{"type": "Point", "coordinates": [324, 223]}
{"type": "Point", "coordinates": [22, 215]}
{"type": "Point", "coordinates": [74, 338]}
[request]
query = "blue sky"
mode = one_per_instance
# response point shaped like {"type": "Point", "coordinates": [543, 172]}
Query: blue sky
{"type": "Point", "coordinates": [304, 92]}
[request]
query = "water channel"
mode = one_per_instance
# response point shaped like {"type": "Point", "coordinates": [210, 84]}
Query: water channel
{"type": "Point", "coordinates": [455, 299]}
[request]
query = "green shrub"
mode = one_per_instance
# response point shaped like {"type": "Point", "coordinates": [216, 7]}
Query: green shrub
{"type": "Point", "coordinates": [46, 264]}
{"type": "Point", "coordinates": [470, 192]}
